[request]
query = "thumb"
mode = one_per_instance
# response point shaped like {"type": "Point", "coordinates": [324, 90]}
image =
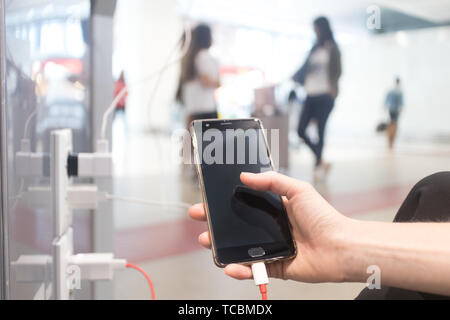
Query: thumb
{"type": "Point", "coordinates": [273, 181]}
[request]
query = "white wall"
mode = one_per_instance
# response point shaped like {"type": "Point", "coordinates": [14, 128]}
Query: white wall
{"type": "Point", "coordinates": [145, 34]}
{"type": "Point", "coordinates": [420, 58]}
{"type": "Point", "coordinates": [370, 64]}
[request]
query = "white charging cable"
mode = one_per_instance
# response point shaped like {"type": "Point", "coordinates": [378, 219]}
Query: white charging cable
{"type": "Point", "coordinates": [183, 205]}
{"type": "Point", "coordinates": [123, 92]}
{"type": "Point", "coordinates": [261, 278]}
{"type": "Point", "coordinates": [26, 127]}
{"type": "Point", "coordinates": [101, 266]}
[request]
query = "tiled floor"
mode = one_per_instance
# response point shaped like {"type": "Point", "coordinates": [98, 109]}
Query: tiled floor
{"type": "Point", "coordinates": [366, 182]}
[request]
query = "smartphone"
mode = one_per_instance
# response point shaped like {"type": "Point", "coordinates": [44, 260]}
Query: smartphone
{"type": "Point", "coordinates": [245, 225]}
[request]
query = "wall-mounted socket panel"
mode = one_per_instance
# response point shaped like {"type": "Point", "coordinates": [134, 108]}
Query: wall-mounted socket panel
{"type": "Point", "coordinates": [62, 252]}
{"type": "Point", "coordinates": [60, 148]}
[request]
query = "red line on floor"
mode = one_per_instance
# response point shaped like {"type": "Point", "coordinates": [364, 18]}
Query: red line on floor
{"type": "Point", "coordinates": [180, 236]}
{"type": "Point", "coordinates": [360, 202]}
{"type": "Point", "coordinates": [158, 240]}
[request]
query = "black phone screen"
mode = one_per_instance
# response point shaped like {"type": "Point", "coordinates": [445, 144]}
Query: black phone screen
{"type": "Point", "coordinates": [246, 224]}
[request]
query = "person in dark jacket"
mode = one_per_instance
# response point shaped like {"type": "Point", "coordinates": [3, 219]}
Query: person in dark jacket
{"type": "Point", "coordinates": [319, 75]}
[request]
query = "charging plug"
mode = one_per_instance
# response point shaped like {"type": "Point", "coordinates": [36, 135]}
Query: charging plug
{"type": "Point", "coordinates": [82, 196]}
{"type": "Point", "coordinates": [69, 268]}
{"type": "Point", "coordinates": [97, 164]}
{"type": "Point", "coordinates": [32, 268]}
{"type": "Point", "coordinates": [260, 273]}
{"type": "Point", "coordinates": [29, 163]}
{"type": "Point", "coordinates": [97, 266]}
{"type": "Point", "coordinates": [260, 277]}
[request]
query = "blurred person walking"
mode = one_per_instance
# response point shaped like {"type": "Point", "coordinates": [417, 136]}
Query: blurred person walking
{"type": "Point", "coordinates": [394, 105]}
{"type": "Point", "coordinates": [119, 85]}
{"type": "Point", "coordinates": [199, 77]}
{"type": "Point", "coordinates": [319, 76]}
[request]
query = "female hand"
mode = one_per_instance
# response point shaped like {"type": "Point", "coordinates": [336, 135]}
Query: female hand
{"type": "Point", "coordinates": [318, 230]}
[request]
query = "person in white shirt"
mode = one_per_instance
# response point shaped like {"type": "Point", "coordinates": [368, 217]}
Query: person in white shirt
{"type": "Point", "coordinates": [319, 76]}
{"type": "Point", "coordinates": [199, 77]}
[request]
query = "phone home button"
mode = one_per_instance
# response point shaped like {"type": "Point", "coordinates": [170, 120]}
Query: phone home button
{"type": "Point", "coordinates": [256, 252]}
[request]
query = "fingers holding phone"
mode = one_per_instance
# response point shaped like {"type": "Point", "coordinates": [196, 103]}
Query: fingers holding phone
{"type": "Point", "coordinates": [315, 225]}
{"type": "Point", "coordinates": [246, 225]}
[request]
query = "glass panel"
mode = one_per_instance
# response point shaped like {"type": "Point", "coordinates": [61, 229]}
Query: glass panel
{"type": "Point", "coordinates": [47, 79]}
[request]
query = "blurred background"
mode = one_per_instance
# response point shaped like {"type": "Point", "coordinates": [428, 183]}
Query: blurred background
{"type": "Point", "coordinates": [63, 62]}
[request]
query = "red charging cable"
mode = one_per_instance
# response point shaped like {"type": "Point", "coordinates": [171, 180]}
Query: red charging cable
{"type": "Point", "coordinates": [142, 271]}
{"type": "Point", "coordinates": [262, 287]}
{"type": "Point", "coordinates": [263, 290]}
{"type": "Point", "coordinates": [261, 278]}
